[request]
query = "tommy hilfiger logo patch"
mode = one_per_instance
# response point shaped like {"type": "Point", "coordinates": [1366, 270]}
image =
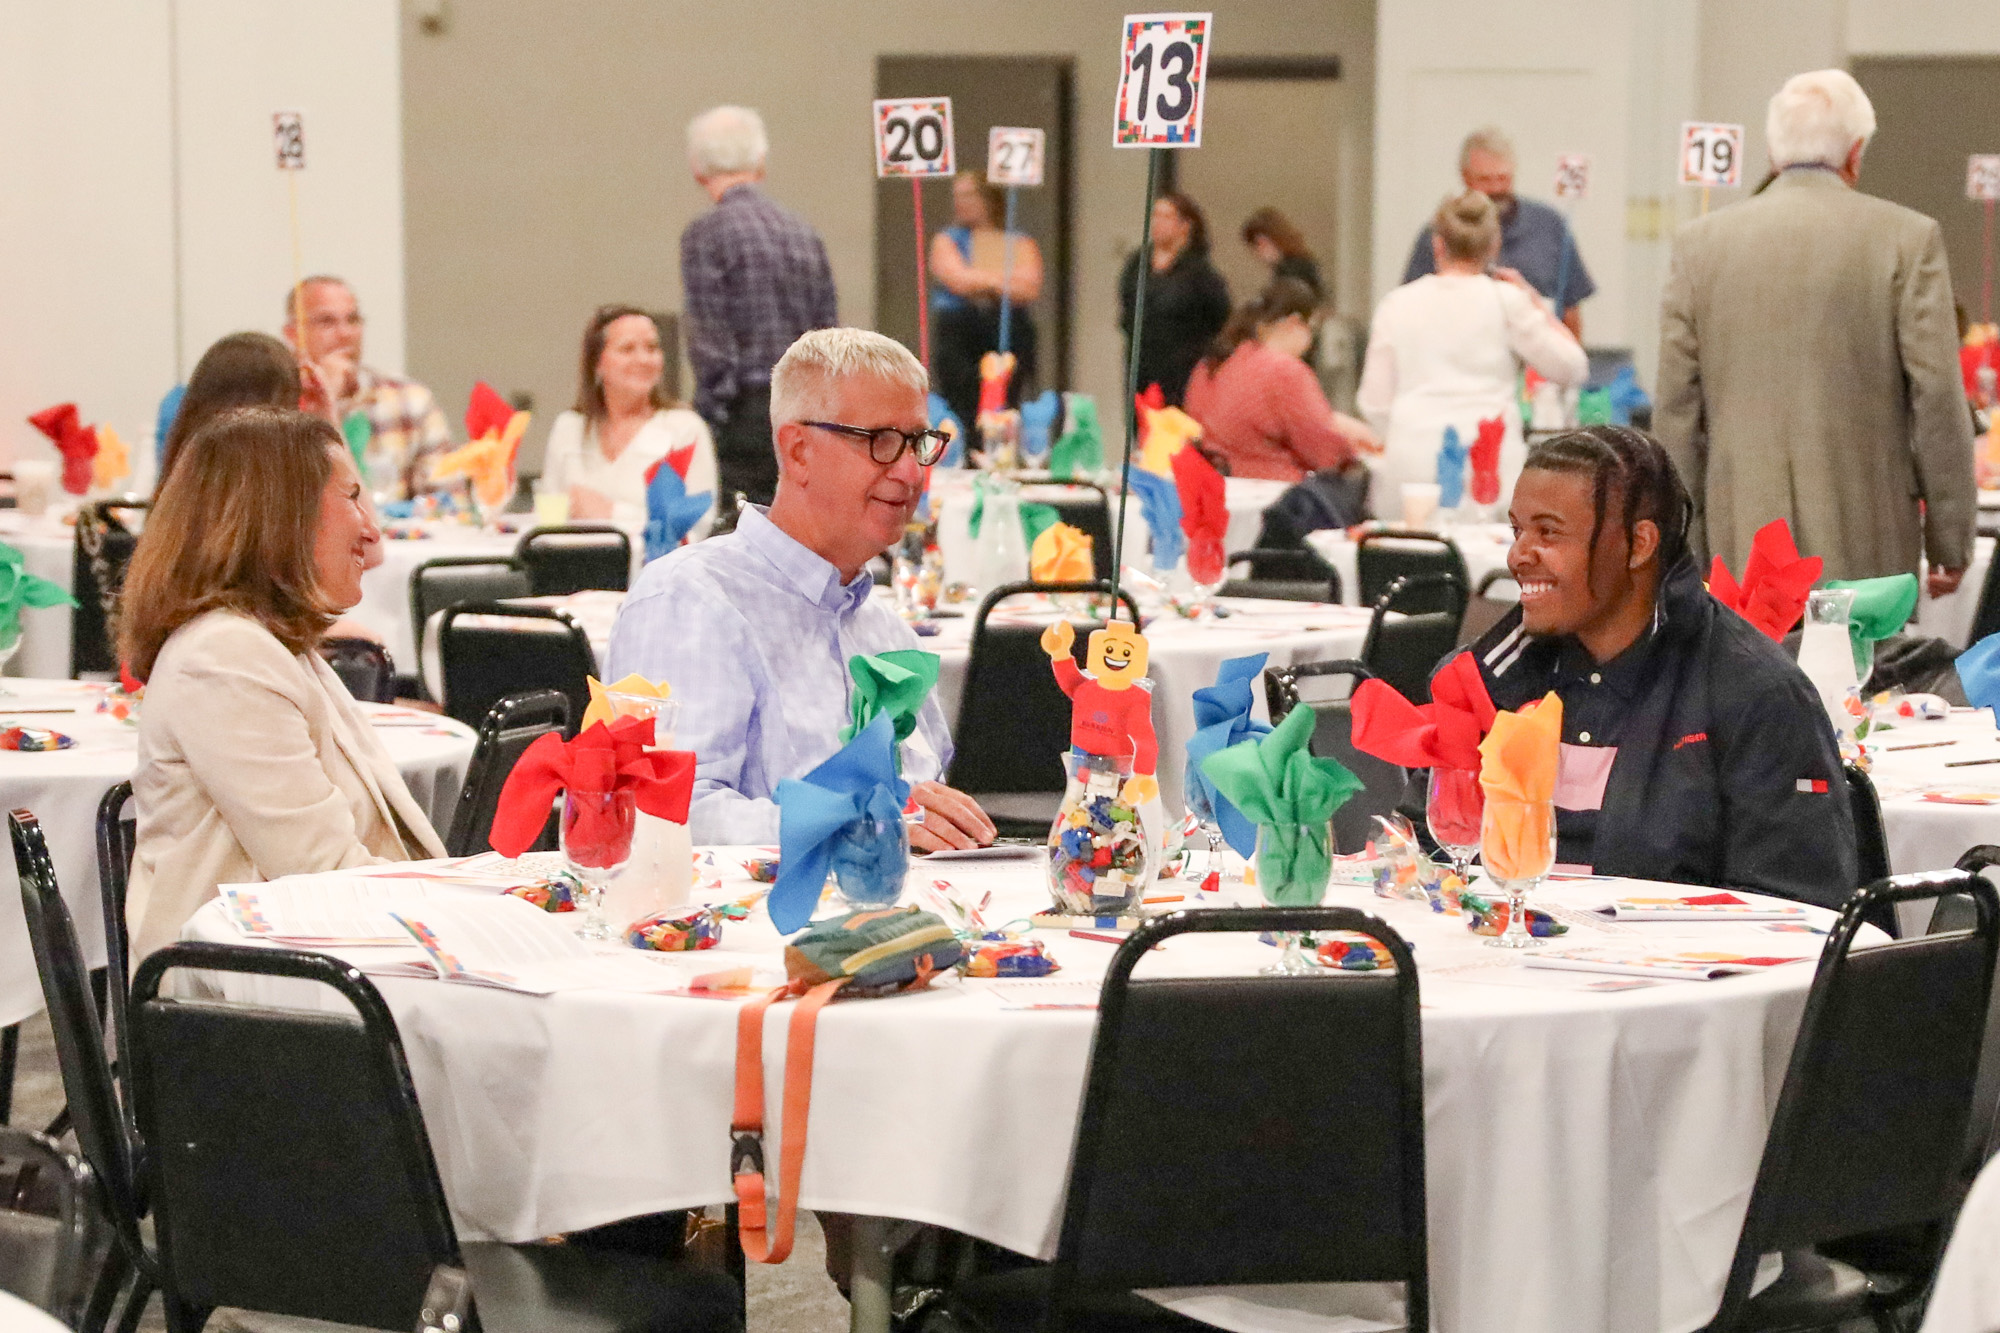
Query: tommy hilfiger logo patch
{"type": "Point", "coordinates": [1813, 786]}
{"type": "Point", "coordinates": [1691, 738]}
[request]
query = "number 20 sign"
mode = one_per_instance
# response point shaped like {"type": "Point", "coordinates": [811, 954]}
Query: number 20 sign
{"type": "Point", "coordinates": [913, 137]}
{"type": "Point", "coordinates": [1160, 80]}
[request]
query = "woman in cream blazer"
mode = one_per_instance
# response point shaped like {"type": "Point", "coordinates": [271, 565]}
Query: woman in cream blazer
{"type": "Point", "coordinates": [254, 761]}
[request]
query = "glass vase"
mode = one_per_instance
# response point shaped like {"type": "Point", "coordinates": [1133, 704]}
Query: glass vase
{"type": "Point", "coordinates": [1101, 859]}
{"type": "Point", "coordinates": [597, 829]}
{"type": "Point", "coordinates": [870, 860]}
{"type": "Point", "coordinates": [1826, 655]}
{"type": "Point", "coordinates": [1294, 867]}
{"type": "Point", "coordinates": [1454, 803]}
{"type": "Point", "coordinates": [1518, 849]}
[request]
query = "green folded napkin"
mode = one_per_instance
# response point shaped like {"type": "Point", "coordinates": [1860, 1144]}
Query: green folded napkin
{"type": "Point", "coordinates": [359, 432]}
{"type": "Point", "coordinates": [1881, 608]}
{"type": "Point", "coordinates": [1290, 794]}
{"type": "Point", "coordinates": [1035, 518]}
{"type": "Point", "coordinates": [18, 589]}
{"type": "Point", "coordinates": [896, 682]}
{"type": "Point", "coordinates": [1081, 448]}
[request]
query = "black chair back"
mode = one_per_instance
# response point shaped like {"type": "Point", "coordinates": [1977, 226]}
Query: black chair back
{"type": "Point", "coordinates": [511, 726]}
{"type": "Point", "coordinates": [363, 666]}
{"type": "Point", "coordinates": [1012, 729]}
{"type": "Point", "coordinates": [1871, 1122]}
{"type": "Point", "coordinates": [290, 1172]}
{"type": "Point", "coordinates": [1247, 1167]}
{"type": "Point", "coordinates": [1406, 650]}
{"type": "Point", "coordinates": [104, 544]}
{"type": "Point", "coordinates": [1285, 576]}
{"type": "Point", "coordinates": [518, 648]}
{"type": "Point", "coordinates": [1380, 558]}
{"type": "Point", "coordinates": [1089, 511]}
{"type": "Point", "coordinates": [1961, 913]}
{"type": "Point", "coordinates": [1333, 726]}
{"type": "Point", "coordinates": [1986, 618]}
{"type": "Point", "coordinates": [79, 1035]}
{"type": "Point", "coordinates": [117, 840]}
{"type": "Point", "coordinates": [49, 1227]}
{"type": "Point", "coordinates": [576, 556]}
{"type": "Point", "coordinates": [1871, 841]}
{"type": "Point", "coordinates": [436, 584]}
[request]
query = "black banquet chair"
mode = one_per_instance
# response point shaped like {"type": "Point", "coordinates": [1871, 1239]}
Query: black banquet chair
{"type": "Point", "coordinates": [290, 1173]}
{"type": "Point", "coordinates": [1085, 506]}
{"type": "Point", "coordinates": [1285, 576]}
{"type": "Point", "coordinates": [1332, 738]}
{"type": "Point", "coordinates": [364, 667]}
{"type": "Point", "coordinates": [1226, 1185]}
{"type": "Point", "coordinates": [450, 579]}
{"type": "Point", "coordinates": [1012, 728]}
{"type": "Point", "coordinates": [50, 1230]}
{"type": "Point", "coordinates": [515, 722]}
{"type": "Point", "coordinates": [508, 649]}
{"type": "Point", "coordinates": [1403, 651]}
{"type": "Point", "coordinates": [104, 545]}
{"type": "Point", "coordinates": [575, 557]}
{"type": "Point", "coordinates": [1869, 1135]}
{"type": "Point", "coordinates": [1380, 558]}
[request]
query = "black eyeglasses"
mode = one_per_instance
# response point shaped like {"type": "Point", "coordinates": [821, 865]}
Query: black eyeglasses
{"type": "Point", "coordinates": [886, 443]}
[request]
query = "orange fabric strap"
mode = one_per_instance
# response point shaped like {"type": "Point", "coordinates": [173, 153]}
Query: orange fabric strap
{"type": "Point", "coordinates": [746, 1126]}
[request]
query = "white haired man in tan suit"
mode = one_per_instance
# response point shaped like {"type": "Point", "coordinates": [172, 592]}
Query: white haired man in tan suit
{"type": "Point", "coordinates": [1809, 360]}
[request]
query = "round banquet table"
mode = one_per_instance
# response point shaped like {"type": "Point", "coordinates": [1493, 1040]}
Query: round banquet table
{"type": "Point", "coordinates": [48, 550]}
{"type": "Point", "coordinates": [63, 788]}
{"type": "Point", "coordinates": [1484, 546]}
{"type": "Point", "coordinates": [18, 1316]}
{"type": "Point", "coordinates": [1184, 653]}
{"type": "Point", "coordinates": [1938, 798]}
{"type": "Point", "coordinates": [1591, 1143]}
{"type": "Point", "coordinates": [385, 589]}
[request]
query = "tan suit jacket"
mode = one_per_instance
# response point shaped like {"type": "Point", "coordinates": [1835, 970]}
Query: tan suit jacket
{"type": "Point", "coordinates": [254, 763]}
{"type": "Point", "coordinates": [1809, 371]}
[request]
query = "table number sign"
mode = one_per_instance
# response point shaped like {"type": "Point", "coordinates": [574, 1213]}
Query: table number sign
{"type": "Point", "coordinates": [1711, 154]}
{"type": "Point", "coordinates": [1014, 156]}
{"type": "Point", "coordinates": [288, 132]}
{"type": "Point", "coordinates": [913, 137]}
{"type": "Point", "coordinates": [1160, 73]}
{"type": "Point", "coordinates": [1982, 176]}
{"type": "Point", "coordinates": [1572, 176]}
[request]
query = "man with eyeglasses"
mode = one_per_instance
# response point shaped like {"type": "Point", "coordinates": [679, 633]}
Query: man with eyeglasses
{"type": "Point", "coordinates": [406, 426]}
{"type": "Point", "coordinates": [754, 629]}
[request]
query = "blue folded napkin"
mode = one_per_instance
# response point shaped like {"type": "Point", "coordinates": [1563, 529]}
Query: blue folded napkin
{"type": "Point", "coordinates": [1038, 423]}
{"type": "Point", "coordinates": [670, 510]}
{"type": "Point", "coordinates": [1160, 501]}
{"type": "Point", "coordinates": [1452, 455]}
{"type": "Point", "coordinates": [859, 781]}
{"type": "Point", "coordinates": [1979, 673]}
{"type": "Point", "coordinates": [163, 422]}
{"type": "Point", "coordinates": [1222, 719]}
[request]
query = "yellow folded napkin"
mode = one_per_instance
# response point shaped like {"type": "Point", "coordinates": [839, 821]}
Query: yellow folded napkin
{"type": "Point", "coordinates": [1518, 772]}
{"type": "Point", "coordinates": [1061, 554]}
{"type": "Point", "coordinates": [601, 707]}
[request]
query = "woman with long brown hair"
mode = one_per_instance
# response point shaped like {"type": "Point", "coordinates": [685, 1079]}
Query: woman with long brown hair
{"type": "Point", "coordinates": [254, 761]}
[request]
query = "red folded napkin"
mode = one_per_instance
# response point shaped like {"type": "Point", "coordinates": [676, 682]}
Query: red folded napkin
{"type": "Point", "coordinates": [1776, 580]}
{"type": "Point", "coordinates": [487, 413]}
{"type": "Point", "coordinates": [1204, 514]}
{"type": "Point", "coordinates": [75, 441]}
{"type": "Point", "coordinates": [1444, 733]}
{"type": "Point", "coordinates": [602, 759]}
{"type": "Point", "coordinates": [1486, 461]}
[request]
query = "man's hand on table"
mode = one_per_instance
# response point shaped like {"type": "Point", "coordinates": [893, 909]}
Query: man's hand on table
{"type": "Point", "coordinates": [953, 821]}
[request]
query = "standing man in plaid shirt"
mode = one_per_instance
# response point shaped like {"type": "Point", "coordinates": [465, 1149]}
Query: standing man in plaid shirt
{"type": "Point", "coordinates": [406, 426]}
{"type": "Point", "coordinates": [755, 277]}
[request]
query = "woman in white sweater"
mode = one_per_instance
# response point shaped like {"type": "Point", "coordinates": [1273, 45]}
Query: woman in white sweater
{"type": "Point", "coordinates": [254, 760]}
{"type": "Point", "coordinates": [623, 423]}
{"type": "Point", "coordinates": [1447, 350]}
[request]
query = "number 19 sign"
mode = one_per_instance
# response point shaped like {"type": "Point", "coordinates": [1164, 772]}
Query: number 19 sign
{"type": "Point", "coordinates": [1711, 154]}
{"type": "Point", "coordinates": [913, 137]}
{"type": "Point", "coordinates": [1160, 80]}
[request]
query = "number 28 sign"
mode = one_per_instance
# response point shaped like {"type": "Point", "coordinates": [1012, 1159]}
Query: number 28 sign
{"type": "Point", "coordinates": [913, 137]}
{"type": "Point", "coordinates": [1160, 80]}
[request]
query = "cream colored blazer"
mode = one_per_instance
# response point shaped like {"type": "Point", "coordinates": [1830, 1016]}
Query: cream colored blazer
{"type": "Point", "coordinates": [254, 762]}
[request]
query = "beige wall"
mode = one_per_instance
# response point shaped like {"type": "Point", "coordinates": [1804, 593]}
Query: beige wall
{"type": "Point", "coordinates": [545, 171]}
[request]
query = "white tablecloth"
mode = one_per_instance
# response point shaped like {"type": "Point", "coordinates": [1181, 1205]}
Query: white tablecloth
{"type": "Point", "coordinates": [1929, 834]}
{"type": "Point", "coordinates": [63, 788]}
{"type": "Point", "coordinates": [1590, 1151]}
{"type": "Point", "coordinates": [1484, 546]}
{"type": "Point", "coordinates": [48, 550]}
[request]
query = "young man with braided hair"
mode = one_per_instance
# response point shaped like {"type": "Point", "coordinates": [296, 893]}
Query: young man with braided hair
{"type": "Point", "coordinates": [1694, 749]}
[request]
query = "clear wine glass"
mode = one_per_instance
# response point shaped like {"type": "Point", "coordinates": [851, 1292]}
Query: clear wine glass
{"type": "Point", "coordinates": [1453, 806]}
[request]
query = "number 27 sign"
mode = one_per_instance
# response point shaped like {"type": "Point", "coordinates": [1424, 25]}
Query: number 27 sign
{"type": "Point", "coordinates": [1160, 80]}
{"type": "Point", "coordinates": [913, 137]}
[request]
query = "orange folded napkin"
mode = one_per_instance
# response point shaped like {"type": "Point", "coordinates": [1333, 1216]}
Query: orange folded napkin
{"type": "Point", "coordinates": [112, 461]}
{"type": "Point", "coordinates": [1518, 773]}
{"type": "Point", "coordinates": [1776, 580]}
{"type": "Point", "coordinates": [1061, 554]}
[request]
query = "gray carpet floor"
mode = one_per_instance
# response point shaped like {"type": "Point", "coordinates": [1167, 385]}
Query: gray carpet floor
{"type": "Point", "coordinates": [793, 1297]}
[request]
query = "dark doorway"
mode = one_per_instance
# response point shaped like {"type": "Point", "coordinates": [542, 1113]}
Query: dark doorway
{"type": "Point", "coordinates": [985, 91]}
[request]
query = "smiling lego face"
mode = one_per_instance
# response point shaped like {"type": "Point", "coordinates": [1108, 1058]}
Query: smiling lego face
{"type": "Point", "coordinates": [1117, 656]}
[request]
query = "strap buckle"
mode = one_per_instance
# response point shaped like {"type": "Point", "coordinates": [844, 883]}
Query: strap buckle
{"type": "Point", "coordinates": [746, 1145]}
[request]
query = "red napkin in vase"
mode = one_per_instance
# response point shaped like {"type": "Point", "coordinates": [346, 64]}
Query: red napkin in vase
{"type": "Point", "coordinates": [603, 759]}
{"type": "Point", "coordinates": [1444, 733]}
{"type": "Point", "coordinates": [1486, 461]}
{"type": "Point", "coordinates": [75, 441]}
{"type": "Point", "coordinates": [1152, 400]}
{"type": "Point", "coordinates": [1776, 579]}
{"type": "Point", "coordinates": [680, 460]}
{"type": "Point", "coordinates": [487, 414]}
{"type": "Point", "coordinates": [1204, 514]}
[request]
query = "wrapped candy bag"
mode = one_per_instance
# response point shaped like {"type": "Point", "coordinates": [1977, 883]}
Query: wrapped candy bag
{"type": "Point", "coordinates": [556, 894]}
{"type": "Point", "coordinates": [1488, 916]}
{"type": "Point", "coordinates": [33, 739]}
{"type": "Point", "coordinates": [686, 929]}
{"type": "Point", "coordinates": [1351, 951]}
{"type": "Point", "coordinates": [999, 955]}
{"type": "Point", "coordinates": [762, 869]}
{"type": "Point", "coordinates": [1402, 870]}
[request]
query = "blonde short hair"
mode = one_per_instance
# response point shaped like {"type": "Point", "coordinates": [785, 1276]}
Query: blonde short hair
{"type": "Point", "coordinates": [1818, 118]}
{"type": "Point", "coordinates": [1469, 226]}
{"type": "Point", "coordinates": [807, 377]}
{"type": "Point", "coordinates": [1486, 139]}
{"type": "Point", "coordinates": [727, 139]}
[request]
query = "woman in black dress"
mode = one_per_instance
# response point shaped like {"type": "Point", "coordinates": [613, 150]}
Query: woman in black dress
{"type": "Point", "coordinates": [1187, 302]}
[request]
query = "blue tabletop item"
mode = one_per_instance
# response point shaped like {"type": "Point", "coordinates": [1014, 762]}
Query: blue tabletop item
{"type": "Point", "coordinates": [940, 412]}
{"type": "Point", "coordinates": [1626, 395]}
{"type": "Point", "coordinates": [815, 834]}
{"type": "Point", "coordinates": [1979, 673]}
{"type": "Point", "coordinates": [163, 423]}
{"type": "Point", "coordinates": [1039, 419]}
{"type": "Point", "coordinates": [1221, 719]}
{"type": "Point", "coordinates": [1452, 455]}
{"type": "Point", "coordinates": [1160, 501]}
{"type": "Point", "coordinates": [670, 511]}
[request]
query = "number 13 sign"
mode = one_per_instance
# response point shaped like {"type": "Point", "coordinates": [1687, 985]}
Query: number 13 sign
{"type": "Point", "coordinates": [1160, 80]}
{"type": "Point", "coordinates": [913, 137]}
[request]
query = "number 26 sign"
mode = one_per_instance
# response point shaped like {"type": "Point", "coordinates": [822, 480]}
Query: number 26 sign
{"type": "Point", "coordinates": [913, 137]}
{"type": "Point", "coordinates": [1160, 75]}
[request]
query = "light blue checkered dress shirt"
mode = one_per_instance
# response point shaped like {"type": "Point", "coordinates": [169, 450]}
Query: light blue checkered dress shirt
{"type": "Point", "coordinates": [754, 633]}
